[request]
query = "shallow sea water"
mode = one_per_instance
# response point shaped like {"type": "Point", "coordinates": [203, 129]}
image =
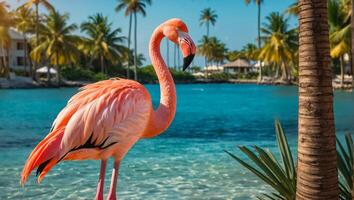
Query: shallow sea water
{"type": "Point", "coordinates": [186, 162]}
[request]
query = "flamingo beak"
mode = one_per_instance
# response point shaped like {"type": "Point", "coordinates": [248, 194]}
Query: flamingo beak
{"type": "Point", "coordinates": [187, 47]}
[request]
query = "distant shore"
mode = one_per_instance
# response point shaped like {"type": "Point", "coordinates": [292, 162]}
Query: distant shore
{"type": "Point", "coordinates": [28, 83]}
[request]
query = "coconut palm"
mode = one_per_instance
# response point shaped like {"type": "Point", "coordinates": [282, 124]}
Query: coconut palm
{"type": "Point", "coordinates": [258, 3]}
{"type": "Point", "coordinates": [168, 52]}
{"type": "Point", "coordinates": [352, 47]}
{"type": "Point", "coordinates": [280, 173]}
{"type": "Point", "coordinates": [317, 176]}
{"type": "Point", "coordinates": [5, 40]}
{"type": "Point", "coordinates": [24, 22]}
{"type": "Point", "coordinates": [132, 8]}
{"type": "Point", "coordinates": [234, 55]}
{"type": "Point", "coordinates": [250, 51]}
{"type": "Point", "coordinates": [212, 49]}
{"type": "Point", "coordinates": [140, 60]}
{"type": "Point", "coordinates": [348, 8]}
{"type": "Point", "coordinates": [280, 43]}
{"type": "Point", "coordinates": [5, 15]}
{"type": "Point", "coordinates": [57, 42]}
{"type": "Point", "coordinates": [207, 17]}
{"type": "Point", "coordinates": [339, 33]}
{"type": "Point", "coordinates": [103, 42]}
{"type": "Point", "coordinates": [36, 4]}
{"type": "Point", "coordinates": [205, 48]}
{"type": "Point", "coordinates": [293, 9]}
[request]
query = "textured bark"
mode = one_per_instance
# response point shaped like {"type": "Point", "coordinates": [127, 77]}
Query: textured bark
{"type": "Point", "coordinates": [135, 48]}
{"type": "Point", "coordinates": [260, 75]}
{"type": "Point", "coordinates": [352, 49]}
{"type": "Point", "coordinates": [129, 39]}
{"type": "Point", "coordinates": [207, 29]}
{"type": "Point", "coordinates": [341, 61]}
{"type": "Point", "coordinates": [168, 52]}
{"type": "Point", "coordinates": [317, 176]}
{"type": "Point", "coordinates": [353, 181]}
{"type": "Point", "coordinates": [57, 68]}
{"type": "Point", "coordinates": [37, 42]}
{"type": "Point", "coordinates": [102, 64]}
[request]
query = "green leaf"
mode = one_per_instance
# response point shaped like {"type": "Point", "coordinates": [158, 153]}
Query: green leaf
{"type": "Point", "coordinates": [285, 150]}
{"type": "Point", "coordinates": [253, 170]}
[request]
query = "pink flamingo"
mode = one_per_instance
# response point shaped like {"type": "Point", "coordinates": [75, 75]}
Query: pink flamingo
{"type": "Point", "coordinates": [107, 118]}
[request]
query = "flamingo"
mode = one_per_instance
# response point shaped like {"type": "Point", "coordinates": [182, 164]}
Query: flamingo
{"type": "Point", "coordinates": [105, 119]}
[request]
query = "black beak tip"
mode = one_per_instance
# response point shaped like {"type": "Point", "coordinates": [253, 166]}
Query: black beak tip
{"type": "Point", "coordinates": [187, 61]}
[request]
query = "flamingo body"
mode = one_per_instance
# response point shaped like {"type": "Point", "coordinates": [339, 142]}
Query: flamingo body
{"type": "Point", "coordinates": [104, 119]}
{"type": "Point", "coordinates": [107, 118]}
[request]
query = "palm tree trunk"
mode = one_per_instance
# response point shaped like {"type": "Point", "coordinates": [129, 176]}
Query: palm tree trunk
{"type": "Point", "coordinates": [48, 75]}
{"type": "Point", "coordinates": [168, 52]}
{"type": "Point", "coordinates": [352, 48]}
{"type": "Point", "coordinates": [135, 49]}
{"type": "Point", "coordinates": [277, 72]}
{"type": "Point", "coordinates": [207, 26]}
{"type": "Point", "coordinates": [259, 41]}
{"type": "Point", "coordinates": [25, 52]}
{"type": "Point", "coordinates": [352, 181]}
{"type": "Point", "coordinates": [48, 70]}
{"type": "Point", "coordinates": [37, 40]}
{"type": "Point", "coordinates": [284, 73]}
{"type": "Point", "coordinates": [341, 61]}
{"type": "Point", "coordinates": [5, 63]}
{"type": "Point", "coordinates": [58, 69]}
{"type": "Point", "coordinates": [174, 56]}
{"type": "Point", "coordinates": [317, 176]}
{"type": "Point", "coordinates": [287, 72]}
{"type": "Point", "coordinates": [178, 58]}
{"type": "Point", "coordinates": [102, 64]}
{"type": "Point", "coordinates": [129, 39]}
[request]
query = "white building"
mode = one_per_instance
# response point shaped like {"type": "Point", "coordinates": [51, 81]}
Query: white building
{"type": "Point", "coordinates": [17, 59]}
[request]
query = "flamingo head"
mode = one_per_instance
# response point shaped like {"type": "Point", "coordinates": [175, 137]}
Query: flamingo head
{"type": "Point", "coordinates": [177, 32]}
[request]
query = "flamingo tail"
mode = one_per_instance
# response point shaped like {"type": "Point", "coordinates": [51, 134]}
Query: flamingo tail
{"type": "Point", "coordinates": [44, 156]}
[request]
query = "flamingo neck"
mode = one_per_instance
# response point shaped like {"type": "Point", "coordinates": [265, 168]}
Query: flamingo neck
{"type": "Point", "coordinates": [163, 116]}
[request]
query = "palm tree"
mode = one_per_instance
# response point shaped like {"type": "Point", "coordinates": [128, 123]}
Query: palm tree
{"type": "Point", "coordinates": [212, 49]}
{"type": "Point", "coordinates": [132, 8]}
{"type": "Point", "coordinates": [352, 47]}
{"type": "Point", "coordinates": [348, 8]}
{"type": "Point", "coordinates": [339, 33]}
{"type": "Point", "coordinates": [293, 9]}
{"type": "Point", "coordinates": [205, 48]}
{"type": "Point", "coordinates": [207, 17]}
{"type": "Point", "coordinates": [250, 51]}
{"type": "Point", "coordinates": [168, 52]}
{"type": "Point", "coordinates": [280, 43]}
{"type": "Point", "coordinates": [140, 60]}
{"type": "Point", "coordinates": [5, 15]}
{"type": "Point", "coordinates": [103, 42]}
{"type": "Point", "coordinates": [5, 41]}
{"type": "Point", "coordinates": [24, 22]}
{"type": "Point", "coordinates": [57, 42]}
{"type": "Point", "coordinates": [317, 176]}
{"type": "Point", "coordinates": [36, 3]}
{"type": "Point", "coordinates": [258, 3]}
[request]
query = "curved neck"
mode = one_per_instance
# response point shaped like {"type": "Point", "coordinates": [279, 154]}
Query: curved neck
{"type": "Point", "coordinates": [163, 116]}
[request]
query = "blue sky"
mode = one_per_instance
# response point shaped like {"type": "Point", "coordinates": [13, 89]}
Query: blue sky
{"type": "Point", "coordinates": [236, 24]}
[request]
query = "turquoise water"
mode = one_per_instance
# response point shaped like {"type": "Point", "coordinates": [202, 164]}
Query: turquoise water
{"type": "Point", "coordinates": [186, 162]}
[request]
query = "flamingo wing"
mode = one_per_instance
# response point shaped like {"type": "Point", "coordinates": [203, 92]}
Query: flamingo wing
{"type": "Point", "coordinates": [96, 119]}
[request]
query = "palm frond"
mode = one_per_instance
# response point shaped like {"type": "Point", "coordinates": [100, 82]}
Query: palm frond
{"type": "Point", "coordinates": [281, 176]}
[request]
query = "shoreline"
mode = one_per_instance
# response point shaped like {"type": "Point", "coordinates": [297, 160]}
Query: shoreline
{"type": "Point", "coordinates": [27, 83]}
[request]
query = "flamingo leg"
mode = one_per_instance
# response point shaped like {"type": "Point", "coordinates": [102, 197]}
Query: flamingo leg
{"type": "Point", "coordinates": [99, 193]}
{"type": "Point", "coordinates": [112, 190]}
